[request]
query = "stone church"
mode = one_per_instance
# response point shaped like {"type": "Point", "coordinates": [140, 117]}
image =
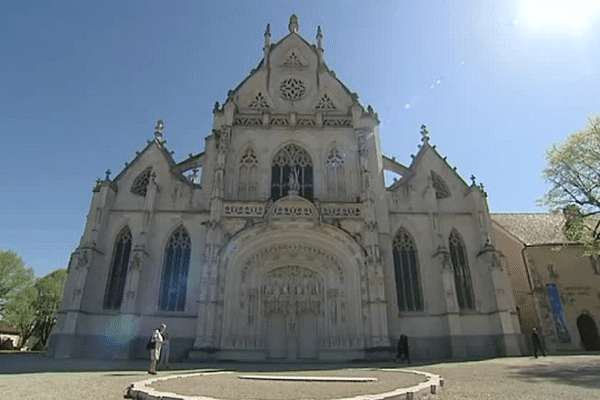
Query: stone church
{"type": "Point", "coordinates": [282, 242]}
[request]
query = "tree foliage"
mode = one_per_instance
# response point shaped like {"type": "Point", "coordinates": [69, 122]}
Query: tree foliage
{"type": "Point", "coordinates": [14, 276]}
{"type": "Point", "coordinates": [33, 309]}
{"type": "Point", "coordinates": [47, 302]}
{"type": "Point", "coordinates": [573, 170]}
{"type": "Point", "coordinates": [20, 312]}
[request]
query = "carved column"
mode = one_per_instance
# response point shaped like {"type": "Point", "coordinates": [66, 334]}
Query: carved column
{"type": "Point", "coordinates": [208, 310]}
{"type": "Point", "coordinates": [139, 253]}
{"type": "Point", "coordinates": [375, 300]}
{"type": "Point", "coordinates": [452, 310]}
{"type": "Point", "coordinates": [492, 260]}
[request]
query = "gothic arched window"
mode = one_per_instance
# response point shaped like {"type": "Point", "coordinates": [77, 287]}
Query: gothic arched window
{"type": "Point", "coordinates": [441, 188]}
{"type": "Point", "coordinates": [462, 274]}
{"type": "Point", "coordinates": [175, 271]}
{"type": "Point", "coordinates": [406, 268]}
{"type": "Point", "coordinates": [248, 178]}
{"type": "Point", "coordinates": [335, 177]}
{"type": "Point", "coordinates": [140, 185]}
{"type": "Point", "coordinates": [113, 295]}
{"type": "Point", "coordinates": [291, 160]}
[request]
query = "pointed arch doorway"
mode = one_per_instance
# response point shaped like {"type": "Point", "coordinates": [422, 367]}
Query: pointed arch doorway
{"type": "Point", "coordinates": [588, 332]}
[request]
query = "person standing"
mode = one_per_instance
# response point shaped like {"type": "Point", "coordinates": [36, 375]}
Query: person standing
{"type": "Point", "coordinates": [402, 349]}
{"type": "Point", "coordinates": [158, 340]}
{"type": "Point", "coordinates": [537, 343]}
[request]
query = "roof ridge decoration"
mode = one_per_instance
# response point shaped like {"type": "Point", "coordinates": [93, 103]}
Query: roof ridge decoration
{"type": "Point", "coordinates": [293, 26]}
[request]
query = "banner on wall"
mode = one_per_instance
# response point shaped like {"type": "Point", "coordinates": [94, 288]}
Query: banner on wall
{"type": "Point", "coordinates": [559, 316]}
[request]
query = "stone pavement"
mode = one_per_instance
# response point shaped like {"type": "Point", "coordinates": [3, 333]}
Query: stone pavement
{"type": "Point", "coordinates": [26, 376]}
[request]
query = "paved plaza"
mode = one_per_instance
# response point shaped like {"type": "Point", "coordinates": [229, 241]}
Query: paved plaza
{"type": "Point", "coordinates": [25, 376]}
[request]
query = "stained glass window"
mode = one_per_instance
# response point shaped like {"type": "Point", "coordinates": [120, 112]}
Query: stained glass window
{"type": "Point", "coordinates": [113, 295]}
{"type": "Point", "coordinates": [406, 268]}
{"type": "Point", "coordinates": [462, 274]}
{"type": "Point", "coordinates": [175, 271]}
{"type": "Point", "coordinates": [291, 160]}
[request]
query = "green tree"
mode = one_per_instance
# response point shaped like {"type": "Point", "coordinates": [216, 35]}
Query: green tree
{"type": "Point", "coordinates": [573, 171]}
{"type": "Point", "coordinates": [20, 312]}
{"type": "Point", "coordinates": [47, 302]}
{"type": "Point", "coordinates": [14, 276]}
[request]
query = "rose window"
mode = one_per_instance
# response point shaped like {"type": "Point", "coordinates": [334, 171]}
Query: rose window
{"type": "Point", "coordinates": [292, 89]}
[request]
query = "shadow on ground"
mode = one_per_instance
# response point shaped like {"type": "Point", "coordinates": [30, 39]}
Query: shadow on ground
{"type": "Point", "coordinates": [586, 375]}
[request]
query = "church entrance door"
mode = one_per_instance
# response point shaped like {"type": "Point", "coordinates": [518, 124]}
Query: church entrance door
{"type": "Point", "coordinates": [292, 298]}
{"type": "Point", "coordinates": [276, 335]}
{"type": "Point", "coordinates": [588, 332]}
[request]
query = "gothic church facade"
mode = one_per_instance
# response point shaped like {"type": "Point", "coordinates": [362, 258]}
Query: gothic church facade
{"type": "Point", "coordinates": [288, 246]}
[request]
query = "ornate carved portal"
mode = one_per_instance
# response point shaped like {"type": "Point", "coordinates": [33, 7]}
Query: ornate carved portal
{"type": "Point", "coordinates": [292, 299]}
{"type": "Point", "coordinates": [292, 302]}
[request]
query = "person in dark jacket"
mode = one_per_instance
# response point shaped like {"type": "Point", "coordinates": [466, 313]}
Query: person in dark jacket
{"type": "Point", "coordinates": [402, 349]}
{"type": "Point", "coordinates": [537, 343]}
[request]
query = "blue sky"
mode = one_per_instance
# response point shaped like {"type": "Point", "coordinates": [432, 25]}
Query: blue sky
{"type": "Point", "coordinates": [82, 84]}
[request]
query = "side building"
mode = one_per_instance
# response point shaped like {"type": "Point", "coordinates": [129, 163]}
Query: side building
{"type": "Point", "coordinates": [555, 286]}
{"type": "Point", "coordinates": [281, 241]}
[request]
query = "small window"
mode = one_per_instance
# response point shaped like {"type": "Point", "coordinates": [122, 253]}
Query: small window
{"type": "Point", "coordinates": [442, 190]}
{"type": "Point", "coordinates": [140, 185]}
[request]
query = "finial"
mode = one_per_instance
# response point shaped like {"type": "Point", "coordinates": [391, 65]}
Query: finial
{"type": "Point", "coordinates": [473, 179]}
{"type": "Point", "coordinates": [158, 132]}
{"type": "Point", "coordinates": [216, 107]}
{"type": "Point", "coordinates": [268, 31]}
{"type": "Point", "coordinates": [425, 133]}
{"type": "Point", "coordinates": [107, 172]}
{"type": "Point", "coordinates": [293, 26]}
{"type": "Point", "coordinates": [319, 38]}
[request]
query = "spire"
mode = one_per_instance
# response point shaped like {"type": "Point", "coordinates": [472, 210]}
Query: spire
{"type": "Point", "coordinates": [425, 134]}
{"type": "Point", "coordinates": [293, 26]}
{"type": "Point", "coordinates": [158, 132]}
{"type": "Point", "coordinates": [319, 38]}
{"type": "Point", "coordinates": [268, 36]}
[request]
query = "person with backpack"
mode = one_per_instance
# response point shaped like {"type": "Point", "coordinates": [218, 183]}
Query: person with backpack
{"type": "Point", "coordinates": [154, 345]}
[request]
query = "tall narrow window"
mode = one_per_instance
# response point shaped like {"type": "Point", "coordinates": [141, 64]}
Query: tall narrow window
{"type": "Point", "coordinates": [406, 267]}
{"type": "Point", "coordinates": [462, 275]}
{"type": "Point", "coordinates": [248, 182]}
{"type": "Point", "coordinates": [290, 161]}
{"type": "Point", "coordinates": [113, 294]}
{"type": "Point", "coordinates": [335, 178]}
{"type": "Point", "coordinates": [175, 271]}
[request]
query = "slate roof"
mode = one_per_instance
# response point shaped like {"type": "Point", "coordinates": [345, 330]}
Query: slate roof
{"type": "Point", "coordinates": [533, 228]}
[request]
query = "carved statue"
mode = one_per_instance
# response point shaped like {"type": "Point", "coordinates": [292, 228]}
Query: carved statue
{"type": "Point", "coordinates": [294, 181]}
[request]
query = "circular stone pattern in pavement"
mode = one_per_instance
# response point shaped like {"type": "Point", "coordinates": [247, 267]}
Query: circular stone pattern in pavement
{"type": "Point", "coordinates": [355, 384]}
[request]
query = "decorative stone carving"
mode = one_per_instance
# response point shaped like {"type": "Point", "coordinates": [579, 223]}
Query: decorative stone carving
{"type": "Point", "coordinates": [337, 122]}
{"type": "Point", "coordinates": [292, 89]}
{"type": "Point", "coordinates": [341, 211]}
{"type": "Point", "coordinates": [325, 104]}
{"type": "Point", "coordinates": [279, 121]}
{"type": "Point", "coordinates": [247, 121]}
{"type": "Point", "coordinates": [306, 122]}
{"type": "Point", "coordinates": [259, 102]}
{"type": "Point", "coordinates": [293, 61]}
{"type": "Point", "coordinates": [243, 210]}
